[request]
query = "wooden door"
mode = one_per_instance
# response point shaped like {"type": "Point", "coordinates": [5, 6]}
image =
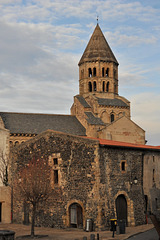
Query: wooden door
{"type": "Point", "coordinates": [121, 208]}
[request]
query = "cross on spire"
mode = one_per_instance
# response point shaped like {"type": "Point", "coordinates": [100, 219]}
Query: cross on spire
{"type": "Point", "coordinates": [97, 18]}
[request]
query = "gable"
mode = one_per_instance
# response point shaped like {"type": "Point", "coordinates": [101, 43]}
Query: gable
{"type": "Point", "coordinates": [124, 130]}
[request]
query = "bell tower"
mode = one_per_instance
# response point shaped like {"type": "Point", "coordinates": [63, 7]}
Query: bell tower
{"type": "Point", "coordinates": [98, 68]}
{"type": "Point", "coordinates": [98, 106]}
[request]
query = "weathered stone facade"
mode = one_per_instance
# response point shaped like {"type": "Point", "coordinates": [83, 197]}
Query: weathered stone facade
{"type": "Point", "coordinates": [98, 107]}
{"type": "Point", "coordinates": [95, 176]}
{"type": "Point", "coordinates": [90, 175]}
{"type": "Point", "coordinates": [151, 172]}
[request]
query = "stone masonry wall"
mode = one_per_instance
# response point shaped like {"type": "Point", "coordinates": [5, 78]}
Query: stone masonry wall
{"type": "Point", "coordinates": [118, 182]}
{"type": "Point", "coordinates": [77, 166]}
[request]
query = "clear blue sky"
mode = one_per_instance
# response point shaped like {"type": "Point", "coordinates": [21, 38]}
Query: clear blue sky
{"type": "Point", "coordinates": [42, 41]}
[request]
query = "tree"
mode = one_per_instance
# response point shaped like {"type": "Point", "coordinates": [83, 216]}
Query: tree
{"type": "Point", "coordinates": [4, 164]}
{"type": "Point", "coordinates": [33, 186]}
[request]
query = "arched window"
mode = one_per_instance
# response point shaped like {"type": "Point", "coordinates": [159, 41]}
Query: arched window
{"type": "Point", "coordinates": [89, 72]}
{"type": "Point", "coordinates": [90, 87]}
{"type": "Point", "coordinates": [107, 72]}
{"type": "Point", "coordinates": [103, 87]}
{"type": "Point", "coordinates": [95, 86]}
{"type": "Point", "coordinates": [107, 87]}
{"type": "Point", "coordinates": [94, 71]}
{"type": "Point", "coordinates": [112, 117]}
{"type": "Point", "coordinates": [103, 72]}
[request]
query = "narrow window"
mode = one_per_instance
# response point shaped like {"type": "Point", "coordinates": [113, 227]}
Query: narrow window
{"type": "Point", "coordinates": [114, 88]}
{"type": "Point", "coordinates": [90, 87]}
{"type": "Point", "coordinates": [107, 87]}
{"type": "Point", "coordinates": [112, 117]}
{"type": "Point", "coordinates": [153, 175]}
{"type": "Point", "coordinates": [103, 72]}
{"type": "Point", "coordinates": [153, 158]}
{"type": "Point", "coordinates": [156, 200]}
{"type": "Point", "coordinates": [107, 72]}
{"type": "Point", "coordinates": [89, 72]}
{"type": "Point", "coordinates": [94, 71]}
{"type": "Point", "coordinates": [55, 161]}
{"type": "Point", "coordinates": [103, 86]}
{"type": "Point", "coordinates": [55, 176]}
{"type": "Point", "coordinates": [123, 166]}
{"type": "Point", "coordinates": [115, 74]}
{"type": "Point", "coordinates": [95, 86]}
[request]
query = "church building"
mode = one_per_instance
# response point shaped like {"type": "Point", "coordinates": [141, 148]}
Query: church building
{"type": "Point", "coordinates": [98, 156]}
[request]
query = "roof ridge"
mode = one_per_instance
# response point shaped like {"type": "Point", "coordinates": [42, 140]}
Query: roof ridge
{"type": "Point", "coordinates": [50, 114]}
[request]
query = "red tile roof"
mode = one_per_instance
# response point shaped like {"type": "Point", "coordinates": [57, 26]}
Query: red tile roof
{"type": "Point", "coordinates": [124, 144]}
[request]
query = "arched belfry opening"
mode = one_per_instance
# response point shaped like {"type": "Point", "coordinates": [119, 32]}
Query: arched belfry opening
{"type": "Point", "coordinates": [107, 72]}
{"type": "Point", "coordinates": [94, 86]}
{"type": "Point", "coordinates": [121, 208]}
{"type": "Point", "coordinates": [107, 87]}
{"type": "Point", "coordinates": [94, 72]}
{"type": "Point", "coordinates": [89, 72]}
{"type": "Point", "coordinates": [90, 87]}
{"type": "Point", "coordinates": [76, 215]}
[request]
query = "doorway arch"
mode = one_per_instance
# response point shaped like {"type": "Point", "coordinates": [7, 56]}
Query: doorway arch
{"type": "Point", "coordinates": [121, 208]}
{"type": "Point", "coordinates": [76, 215]}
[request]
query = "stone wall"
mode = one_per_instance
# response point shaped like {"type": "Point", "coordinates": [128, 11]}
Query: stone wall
{"type": "Point", "coordinates": [116, 181]}
{"type": "Point", "coordinates": [89, 175]}
{"type": "Point", "coordinates": [77, 166]}
{"type": "Point", "coordinates": [151, 176]}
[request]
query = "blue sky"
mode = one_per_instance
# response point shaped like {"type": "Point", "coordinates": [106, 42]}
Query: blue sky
{"type": "Point", "coordinates": [42, 41]}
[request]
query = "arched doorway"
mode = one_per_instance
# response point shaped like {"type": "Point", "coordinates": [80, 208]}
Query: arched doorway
{"type": "Point", "coordinates": [121, 208]}
{"type": "Point", "coordinates": [76, 215]}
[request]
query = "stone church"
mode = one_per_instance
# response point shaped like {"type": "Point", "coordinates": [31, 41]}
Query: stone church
{"type": "Point", "coordinates": [98, 154]}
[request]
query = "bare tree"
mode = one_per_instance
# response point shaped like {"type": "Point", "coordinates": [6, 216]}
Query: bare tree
{"type": "Point", "coordinates": [33, 186]}
{"type": "Point", "coordinates": [4, 165]}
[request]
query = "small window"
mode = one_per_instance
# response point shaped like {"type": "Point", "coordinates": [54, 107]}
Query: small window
{"type": "Point", "coordinates": [112, 117]}
{"type": "Point", "coordinates": [94, 71]}
{"type": "Point", "coordinates": [153, 158]}
{"type": "Point", "coordinates": [115, 74]}
{"type": "Point", "coordinates": [55, 161]}
{"type": "Point", "coordinates": [103, 72]}
{"type": "Point", "coordinates": [123, 166]}
{"type": "Point", "coordinates": [89, 72]}
{"type": "Point", "coordinates": [90, 87]}
{"type": "Point", "coordinates": [95, 86]}
{"type": "Point", "coordinates": [55, 176]}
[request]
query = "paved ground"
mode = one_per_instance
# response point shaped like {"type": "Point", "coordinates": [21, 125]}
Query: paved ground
{"type": "Point", "coordinates": [71, 234]}
{"type": "Point", "coordinates": [149, 235]}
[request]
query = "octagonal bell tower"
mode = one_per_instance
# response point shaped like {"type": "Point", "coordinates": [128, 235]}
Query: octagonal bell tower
{"type": "Point", "coordinates": [98, 68]}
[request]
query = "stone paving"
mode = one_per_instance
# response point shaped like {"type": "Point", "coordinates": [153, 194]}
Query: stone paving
{"type": "Point", "coordinates": [71, 234]}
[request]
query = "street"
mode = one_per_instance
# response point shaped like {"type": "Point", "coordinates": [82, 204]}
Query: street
{"type": "Point", "coordinates": [149, 235]}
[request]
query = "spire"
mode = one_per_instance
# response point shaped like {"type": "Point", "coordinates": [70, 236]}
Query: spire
{"type": "Point", "coordinates": [97, 49]}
